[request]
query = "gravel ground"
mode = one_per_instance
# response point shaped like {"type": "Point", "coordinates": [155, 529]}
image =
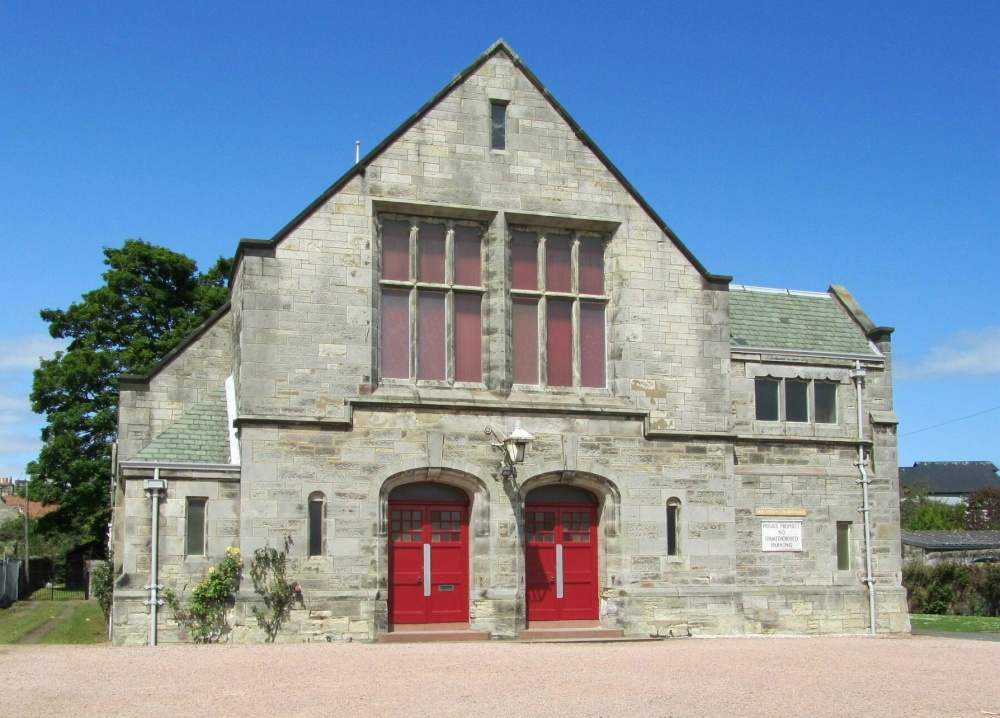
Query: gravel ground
{"type": "Point", "coordinates": [802, 677]}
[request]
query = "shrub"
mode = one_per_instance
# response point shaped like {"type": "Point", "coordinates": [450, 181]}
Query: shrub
{"type": "Point", "coordinates": [102, 582]}
{"type": "Point", "coordinates": [983, 513]}
{"type": "Point", "coordinates": [268, 572]}
{"type": "Point", "coordinates": [205, 614]}
{"type": "Point", "coordinates": [956, 589]}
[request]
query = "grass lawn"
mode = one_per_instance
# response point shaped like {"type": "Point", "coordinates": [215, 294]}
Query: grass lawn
{"type": "Point", "coordinates": [83, 624]}
{"type": "Point", "coordinates": [962, 624]}
{"type": "Point", "coordinates": [23, 618]}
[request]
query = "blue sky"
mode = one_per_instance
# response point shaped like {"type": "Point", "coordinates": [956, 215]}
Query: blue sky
{"type": "Point", "coordinates": [789, 144]}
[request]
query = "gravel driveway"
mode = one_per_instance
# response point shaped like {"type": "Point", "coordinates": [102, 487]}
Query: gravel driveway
{"type": "Point", "coordinates": [800, 677]}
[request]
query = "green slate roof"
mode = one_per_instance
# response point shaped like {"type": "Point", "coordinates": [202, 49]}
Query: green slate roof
{"type": "Point", "coordinates": [201, 436]}
{"type": "Point", "coordinates": [793, 321]}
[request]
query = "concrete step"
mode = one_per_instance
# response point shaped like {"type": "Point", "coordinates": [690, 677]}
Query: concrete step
{"type": "Point", "coordinates": [568, 634]}
{"type": "Point", "coordinates": [434, 636]}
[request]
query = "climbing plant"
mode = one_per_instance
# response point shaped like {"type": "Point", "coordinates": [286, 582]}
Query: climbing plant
{"type": "Point", "coordinates": [204, 615]}
{"type": "Point", "coordinates": [268, 571]}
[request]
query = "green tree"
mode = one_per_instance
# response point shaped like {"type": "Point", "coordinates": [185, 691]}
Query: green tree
{"type": "Point", "coordinates": [984, 510]}
{"type": "Point", "coordinates": [151, 299]}
{"type": "Point", "coordinates": [919, 512]}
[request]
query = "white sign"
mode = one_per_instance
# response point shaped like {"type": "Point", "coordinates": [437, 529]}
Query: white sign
{"type": "Point", "coordinates": [781, 535]}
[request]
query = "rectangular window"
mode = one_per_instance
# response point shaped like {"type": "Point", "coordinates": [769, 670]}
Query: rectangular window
{"type": "Point", "coordinates": [767, 399]}
{"type": "Point", "coordinates": [795, 400]}
{"type": "Point", "coordinates": [432, 297]}
{"type": "Point", "coordinates": [196, 527]}
{"type": "Point", "coordinates": [559, 309]}
{"type": "Point", "coordinates": [525, 340]}
{"type": "Point", "coordinates": [672, 529]}
{"type": "Point", "coordinates": [825, 396]}
{"type": "Point", "coordinates": [316, 527]}
{"type": "Point", "coordinates": [843, 545]}
{"type": "Point", "coordinates": [498, 125]}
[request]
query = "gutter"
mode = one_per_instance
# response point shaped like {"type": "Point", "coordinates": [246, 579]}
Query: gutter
{"type": "Point", "coordinates": [153, 488]}
{"type": "Point", "coordinates": [858, 375]}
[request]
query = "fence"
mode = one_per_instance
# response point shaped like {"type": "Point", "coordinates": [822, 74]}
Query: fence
{"type": "Point", "coordinates": [10, 572]}
{"type": "Point", "coordinates": [59, 578]}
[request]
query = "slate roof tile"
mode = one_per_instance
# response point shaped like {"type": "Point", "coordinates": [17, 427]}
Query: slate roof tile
{"type": "Point", "coordinates": [952, 540]}
{"type": "Point", "coordinates": [950, 477]}
{"type": "Point", "coordinates": [201, 436]}
{"type": "Point", "coordinates": [793, 321]}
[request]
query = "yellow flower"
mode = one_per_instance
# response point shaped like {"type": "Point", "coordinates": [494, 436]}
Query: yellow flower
{"type": "Point", "coordinates": [211, 569]}
{"type": "Point", "coordinates": [236, 551]}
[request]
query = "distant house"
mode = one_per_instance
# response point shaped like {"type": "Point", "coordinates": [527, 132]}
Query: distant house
{"type": "Point", "coordinates": [939, 546]}
{"type": "Point", "coordinates": [36, 509]}
{"type": "Point", "coordinates": [949, 481]}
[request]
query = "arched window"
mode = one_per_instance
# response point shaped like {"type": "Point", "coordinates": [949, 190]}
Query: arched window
{"type": "Point", "coordinates": [673, 514]}
{"type": "Point", "coordinates": [317, 519]}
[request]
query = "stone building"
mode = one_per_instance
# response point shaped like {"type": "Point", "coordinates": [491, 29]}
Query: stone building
{"type": "Point", "coordinates": [693, 468]}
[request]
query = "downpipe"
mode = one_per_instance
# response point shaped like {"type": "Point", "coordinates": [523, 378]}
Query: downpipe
{"type": "Point", "coordinates": [858, 375]}
{"type": "Point", "coordinates": [153, 488]}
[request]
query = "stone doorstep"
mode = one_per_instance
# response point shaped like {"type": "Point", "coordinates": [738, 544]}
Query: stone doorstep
{"type": "Point", "coordinates": [569, 631]}
{"type": "Point", "coordinates": [433, 633]}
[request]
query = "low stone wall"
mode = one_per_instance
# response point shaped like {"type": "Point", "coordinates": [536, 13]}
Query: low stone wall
{"type": "Point", "coordinates": [930, 556]}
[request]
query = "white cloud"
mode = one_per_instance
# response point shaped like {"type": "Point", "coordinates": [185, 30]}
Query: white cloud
{"type": "Point", "coordinates": [966, 354]}
{"type": "Point", "coordinates": [19, 353]}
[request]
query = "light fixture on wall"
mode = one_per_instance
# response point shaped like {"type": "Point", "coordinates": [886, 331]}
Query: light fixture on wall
{"type": "Point", "coordinates": [511, 447]}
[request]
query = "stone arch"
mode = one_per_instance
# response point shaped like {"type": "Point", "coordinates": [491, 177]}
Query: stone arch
{"type": "Point", "coordinates": [609, 496]}
{"type": "Point", "coordinates": [609, 501]}
{"type": "Point", "coordinates": [465, 477]}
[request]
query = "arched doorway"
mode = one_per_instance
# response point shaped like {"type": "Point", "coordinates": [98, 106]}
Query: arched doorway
{"type": "Point", "coordinates": [428, 554]}
{"type": "Point", "coordinates": [560, 544]}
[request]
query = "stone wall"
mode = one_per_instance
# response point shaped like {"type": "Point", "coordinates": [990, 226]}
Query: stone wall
{"type": "Point", "coordinates": [144, 411]}
{"type": "Point", "coordinates": [676, 421]}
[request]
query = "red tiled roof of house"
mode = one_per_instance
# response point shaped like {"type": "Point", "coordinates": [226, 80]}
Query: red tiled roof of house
{"type": "Point", "coordinates": [36, 509]}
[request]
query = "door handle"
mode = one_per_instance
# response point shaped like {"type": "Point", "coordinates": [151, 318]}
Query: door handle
{"type": "Point", "coordinates": [420, 579]}
{"type": "Point", "coordinates": [427, 570]}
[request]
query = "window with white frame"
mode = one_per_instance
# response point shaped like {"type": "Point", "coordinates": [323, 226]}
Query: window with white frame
{"type": "Point", "coordinates": [558, 305]}
{"type": "Point", "coordinates": [795, 400]}
{"type": "Point", "coordinates": [432, 295]}
{"type": "Point", "coordinates": [195, 527]}
{"type": "Point", "coordinates": [843, 545]}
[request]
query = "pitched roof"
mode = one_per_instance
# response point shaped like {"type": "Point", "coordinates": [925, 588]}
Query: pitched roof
{"type": "Point", "coordinates": [952, 540]}
{"type": "Point", "coordinates": [950, 477]}
{"type": "Point", "coordinates": [201, 436]}
{"type": "Point", "coordinates": [786, 320]}
{"type": "Point", "coordinates": [36, 509]}
{"type": "Point", "coordinates": [500, 46]}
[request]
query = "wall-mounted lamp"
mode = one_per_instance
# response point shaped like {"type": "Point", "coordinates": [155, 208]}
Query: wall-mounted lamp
{"type": "Point", "coordinates": [511, 447]}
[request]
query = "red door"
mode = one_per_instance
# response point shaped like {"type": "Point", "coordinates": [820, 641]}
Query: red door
{"type": "Point", "coordinates": [428, 562]}
{"type": "Point", "coordinates": [561, 561]}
